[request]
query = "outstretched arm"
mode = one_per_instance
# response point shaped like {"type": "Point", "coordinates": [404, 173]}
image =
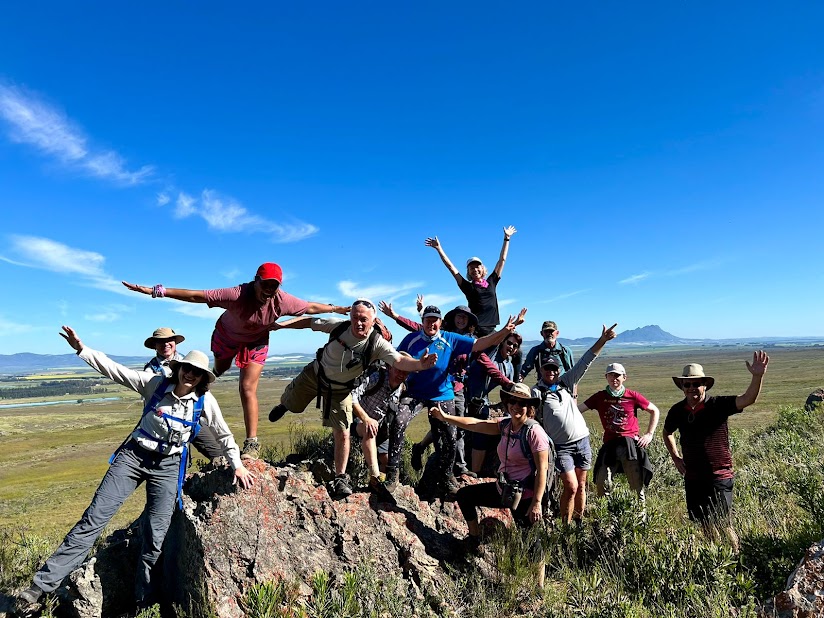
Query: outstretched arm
{"type": "Point", "coordinates": [469, 423]}
{"type": "Point", "coordinates": [293, 323]}
{"type": "Point", "coordinates": [158, 291]}
{"type": "Point", "coordinates": [499, 267]}
{"type": "Point", "coordinates": [758, 368]}
{"type": "Point", "coordinates": [436, 245]}
{"type": "Point", "coordinates": [404, 363]}
{"type": "Point", "coordinates": [315, 308]}
{"type": "Point", "coordinates": [497, 337]}
{"type": "Point", "coordinates": [410, 325]}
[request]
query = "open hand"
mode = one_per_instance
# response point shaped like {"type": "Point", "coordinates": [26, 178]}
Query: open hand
{"type": "Point", "coordinates": [428, 360]}
{"type": "Point", "coordinates": [243, 477]}
{"type": "Point", "coordinates": [74, 341]}
{"type": "Point", "coordinates": [143, 289]}
{"type": "Point", "coordinates": [433, 242]}
{"type": "Point", "coordinates": [760, 360]}
{"type": "Point", "coordinates": [386, 309]}
{"type": "Point", "coordinates": [509, 231]}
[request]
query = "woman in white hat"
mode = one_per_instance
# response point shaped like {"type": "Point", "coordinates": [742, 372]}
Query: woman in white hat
{"type": "Point", "coordinates": [480, 290]}
{"type": "Point", "coordinates": [154, 452]}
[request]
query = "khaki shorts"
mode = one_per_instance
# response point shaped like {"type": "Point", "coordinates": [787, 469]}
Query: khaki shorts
{"type": "Point", "coordinates": [304, 389]}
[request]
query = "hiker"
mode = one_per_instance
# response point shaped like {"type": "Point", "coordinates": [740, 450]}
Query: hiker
{"type": "Point", "coordinates": [154, 452]}
{"type": "Point", "coordinates": [566, 426]}
{"type": "Point", "coordinates": [353, 346]}
{"type": "Point", "coordinates": [242, 331]}
{"type": "Point", "coordinates": [481, 380]}
{"type": "Point", "coordinates": [164, 342]}
{"type": "Point", "coordinates": [550, 346]}
{"type": "Point", "coordinates": [480, 290]}
{"type": "Point", "coordinates": [706, 459]}
{"type": "Point", "coordinates": [461, 321]}
{"type": "Point", "coordinates": [623, 450]}
{"type": "Point", "coordinates": [523, 450]}
{"type": "Point", "coordinates": [435, 387]}
{"type": "Point", "coordinates": [375, 402]}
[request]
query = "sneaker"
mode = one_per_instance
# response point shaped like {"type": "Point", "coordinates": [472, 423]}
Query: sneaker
{"type": "Point", "coordinates": [417, 456]}
{"type": "Point", "coordinates": [377, 487]}
{"type": "Point", "coordinates": [277, 413]}
{"type": "Point", "coordinates": [340, 486]}
{"type": "Point", "coordinates": [30, 596]}
{"type": "Point", "coordinates": [251, 449]}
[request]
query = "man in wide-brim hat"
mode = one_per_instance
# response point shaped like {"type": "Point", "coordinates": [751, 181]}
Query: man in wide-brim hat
{"type": "Point", "coordinates": [706, 460]}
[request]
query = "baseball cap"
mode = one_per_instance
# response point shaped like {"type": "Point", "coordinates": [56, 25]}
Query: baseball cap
{"type": "Point", "coordinates": [430, 311]}
{"type": "Point", "coordinates": [616, 368]}
{"type": "Point", "coordinates": [549, 325]}
{"type": "Point", "coordinates": [270, 270]}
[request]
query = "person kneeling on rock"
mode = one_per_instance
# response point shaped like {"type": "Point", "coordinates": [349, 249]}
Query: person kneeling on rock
{"type": "Point", "coordinates": [155, 452]}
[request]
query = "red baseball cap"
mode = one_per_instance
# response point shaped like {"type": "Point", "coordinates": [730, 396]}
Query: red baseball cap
{"type": "Point", "coordinates": [270, 270]}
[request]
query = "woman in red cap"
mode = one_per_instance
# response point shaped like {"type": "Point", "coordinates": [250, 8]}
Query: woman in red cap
{"type": "Point", "coordinates": [242, 331]}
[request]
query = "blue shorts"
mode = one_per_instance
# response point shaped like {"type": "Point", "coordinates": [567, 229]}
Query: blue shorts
{"type": "Point", "coordinates": [573, 455]}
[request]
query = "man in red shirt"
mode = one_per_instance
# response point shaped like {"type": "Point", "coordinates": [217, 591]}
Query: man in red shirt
{"type": "Point", "coordinates": [242, 331]}
{"type": "Point", "coordinates": [706, 460]}
{"type": "Point", "coordinates": [623, 449]}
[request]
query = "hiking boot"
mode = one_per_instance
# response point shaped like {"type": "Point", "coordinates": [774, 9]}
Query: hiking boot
{"type": "Point", "coordinates": [30, 596]}
{"type": "Point", "coordinates": [464, 471]}
{"type": "Point", "coordinates": [392, 479]}
{"type": "Point", "coordinates": [340, 486]}
{"type": "Point", "coordinates": [251, 449]}
{"type": "Point", "coordinates": [417, 456]}
{"type": "Point", "coordinates": [450, 486]}
{"type": "Point", "coordinates": [276, 413]}
{"type": "Point", "coordinates": [378, 487]}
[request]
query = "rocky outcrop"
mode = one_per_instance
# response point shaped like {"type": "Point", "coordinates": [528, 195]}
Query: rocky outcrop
{"type": "Point", "coordinates": [285, 528]}
{"type": "Point", "coordinates": [803, 596]}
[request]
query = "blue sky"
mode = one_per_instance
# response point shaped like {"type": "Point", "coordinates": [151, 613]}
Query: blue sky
{"type": "Point", "coordinates": [661, 161]}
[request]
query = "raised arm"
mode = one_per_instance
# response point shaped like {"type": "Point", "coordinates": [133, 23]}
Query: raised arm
{"type": "Point", "coordinates": [758, 368]}
{"type": "Point", "coordinates": [315, 308]}
{"type": "Point", "coordinates": [654, 414]}
{"type": "Point", "coordinates": [493, 339]}
{"type": "Point", "coordinates": [158, 291]}
{"type": "Point", "coordinates": [478, 425]}
{"type": "Point", "coordinates": [403, 322]}
{"type": "Point", "coordinates": [499, 267]}
{"type": "Point", "coordinates": [607, 334]}
{"type": "Point", "coordinates": [436, 245]}
{"type": "Point", "coordinates": [492, 370]}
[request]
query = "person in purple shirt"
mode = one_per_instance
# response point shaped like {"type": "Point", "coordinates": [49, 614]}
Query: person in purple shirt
{"type": "Point", "coordinates": [242, 331]}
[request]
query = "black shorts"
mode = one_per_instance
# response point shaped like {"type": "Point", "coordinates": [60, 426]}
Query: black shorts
{"type": "Point", "coordinates": [708, 500]}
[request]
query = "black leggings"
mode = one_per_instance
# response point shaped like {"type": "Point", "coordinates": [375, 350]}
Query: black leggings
{"type": "Point", "coordinates": [486, 494]}
{"type": "Point", "coordinates": [444, 435]}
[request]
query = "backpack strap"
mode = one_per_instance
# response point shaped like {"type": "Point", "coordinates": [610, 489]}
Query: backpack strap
{"type": "Point", "coordinates": [184, 456]}
{"type": "Point", "coordinates": [151, 406]}
{"type": "Point", "coordinates": [371, 390]}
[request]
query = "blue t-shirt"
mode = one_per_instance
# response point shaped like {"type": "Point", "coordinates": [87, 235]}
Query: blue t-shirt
{"type": "Point", "coordinates": [434, 384]}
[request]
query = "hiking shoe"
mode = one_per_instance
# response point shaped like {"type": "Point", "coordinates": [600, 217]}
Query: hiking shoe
{"type": "Point", "coordinates": [251, 449]}
{"type": "Point", "coordinates": [392, 479]}
{"type": "Point", "coordinates": [340, 486]}
{"type": "Point", "coordinates": [377, 487]}
{"type": "Point", "coordinates": [464, 471]}
{"type": "Point", "coordinates": [450, 486]}
{"type": "Point", "coordinates": [417, 456]}
{"type": "Point", "coordinates": [29, 596]}
{"type": "Point", "coordinates": [276, 413]}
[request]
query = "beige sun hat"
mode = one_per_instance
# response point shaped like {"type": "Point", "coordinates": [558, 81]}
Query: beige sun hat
{"type": "Point", "coordinates": [521, 392]}
{"type": "Point", "coordinates": [693, 370]}
{"type": "Point", "coordinates": [162, 333]}
{"type": "Point", "coordinates": [195, 358]}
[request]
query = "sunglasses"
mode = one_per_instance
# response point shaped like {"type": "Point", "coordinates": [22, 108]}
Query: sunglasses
{"type": "Point", "coordinates": [690, 384]}
{"type": "Point", "coordinates": [514, 344]}
{"type": "Point", "coordinates": [269, 286]}
{"type": "Point", "coordinates": [548, 333]}
{"type": "Point", "coordinates": [191, 369]}
{"type": "Point", "coordinates": [365, 303]}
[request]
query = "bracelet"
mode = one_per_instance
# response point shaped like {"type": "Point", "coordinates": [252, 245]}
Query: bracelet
{"type": "Point", "coordinates": [158, 291]}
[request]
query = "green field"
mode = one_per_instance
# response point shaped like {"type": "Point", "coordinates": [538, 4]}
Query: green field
{"type": "Point", "coordinates": [52, 458]}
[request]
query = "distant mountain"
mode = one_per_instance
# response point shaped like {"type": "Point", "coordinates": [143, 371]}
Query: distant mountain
{"type": "Point", "coordinates": [648, 334]}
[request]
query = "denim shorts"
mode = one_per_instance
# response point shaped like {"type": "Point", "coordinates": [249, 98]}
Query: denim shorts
{"type": "Point", "coordinates": [573, 455]}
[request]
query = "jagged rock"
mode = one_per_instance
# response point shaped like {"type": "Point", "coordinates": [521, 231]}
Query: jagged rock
{"type": "Point", "coordinates": [804, 593]}
{"type": "Point", "coordinates": [815, 398]}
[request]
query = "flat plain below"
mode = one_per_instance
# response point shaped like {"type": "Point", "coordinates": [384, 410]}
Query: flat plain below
{"type": "Point", "coordinates": [52, 458]}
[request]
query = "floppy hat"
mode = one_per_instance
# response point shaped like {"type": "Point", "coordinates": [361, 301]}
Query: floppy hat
{"type": "Point", "coordinates": [549, 325]}
{"type": "Point", "coordinates": [450, 315]}
{"type": "Point", "coordinates": [693, 370]}
{"type": "Point", "coordinates": [162, 333]}
{"type": "Point", "coordinates": [195, 358]}
{"type": "Point", "coordinates": [269, 270]}
{"type": "Point", "coordinates": [474, 259]}
{"type": "Point", "coordinates": [431, 311]}
{"type": "Point", "coordinates": [616, 368]}
{"type": "Point", "coordinates": [520, 392]}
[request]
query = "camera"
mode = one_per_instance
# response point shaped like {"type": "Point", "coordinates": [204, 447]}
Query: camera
{"type": "Point", "coordinates": [511, 491]}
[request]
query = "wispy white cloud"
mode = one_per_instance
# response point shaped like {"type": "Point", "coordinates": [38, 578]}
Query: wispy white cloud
{"type": "Point", "coordinates": [198, 311]}
{"type": "Point", "coordinates": [443, 301]}
{"type": "Point", "coordinates": [7, 327]}
{"type": "Point", "coordinates": [34, 122]}
{"type": "Point", "coordinates": [507, 301]}
{"type": "Point", "coordinates": [380, 291]}
{"type": "Point", "coordinates": [47, 254]}
{"type": "Point", "coordinates": [231, 274]}
{"type": "Point", "coordinates": [224, 213]}
{"type": "Point", "coordinates": [635, 278]}
{"type": "Point", "coordinates": [555, 299]}
{"type": "Point", "coordinates": [697, 266]}
{"type": "Point", "coordinates": [110, 313]}
{"type": "Point", "coordinates": [163, 198]}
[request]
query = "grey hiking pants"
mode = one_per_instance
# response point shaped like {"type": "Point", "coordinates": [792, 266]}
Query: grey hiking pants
{"type": "Point", "coordinates": [132, 466]}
